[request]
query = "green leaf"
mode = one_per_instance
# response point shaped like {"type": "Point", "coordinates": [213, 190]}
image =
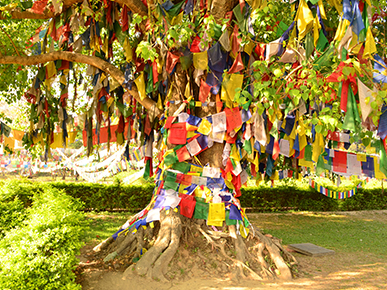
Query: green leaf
{"type": "Point", "coordinates": [319, 128]}
{"type": "Point", "coordinates": [347, 70]}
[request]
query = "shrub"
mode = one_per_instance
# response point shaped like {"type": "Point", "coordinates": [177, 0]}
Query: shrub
{"type": "Point", "coordinates": [12, 214]}
{"type": "Point", "coordinates": [40, 253]}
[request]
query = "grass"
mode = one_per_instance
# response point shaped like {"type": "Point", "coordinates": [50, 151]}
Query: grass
{"type": "Point", "coordinates": [342, 232]}
{"type": "Point", "coordinates": [103, 225]}
{"type": "Point", "coordinates": [363, 232]}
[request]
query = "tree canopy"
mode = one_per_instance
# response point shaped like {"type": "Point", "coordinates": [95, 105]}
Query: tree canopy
{"type": "Point", "coordinates": [224, 89]}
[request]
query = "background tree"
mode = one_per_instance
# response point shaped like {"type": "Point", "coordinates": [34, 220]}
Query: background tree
{"type": "Point", "coordinates": [215, 85]}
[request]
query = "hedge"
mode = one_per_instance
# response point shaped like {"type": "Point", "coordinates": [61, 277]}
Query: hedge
{"type": "Point", "coordinates": [39, 250]}
{"type": "Point", "coordinates": [259, 199]}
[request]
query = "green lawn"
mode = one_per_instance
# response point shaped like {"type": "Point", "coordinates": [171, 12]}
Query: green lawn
{"type": "Point", "coordinates": [344, 232]}
{"type": "Point", "coordinates": [103, 225]}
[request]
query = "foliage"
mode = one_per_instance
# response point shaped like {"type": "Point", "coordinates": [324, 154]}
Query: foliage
{"type": "Point", "coordinates": [286, 195]}
{"type": "Point", "coordinates": [12, 214]}
{"type": "Point", "coordinates": [40, 252]}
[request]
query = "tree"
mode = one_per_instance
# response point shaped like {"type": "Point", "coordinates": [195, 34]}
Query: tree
{"type": "Point", "coordinates": [216, 85]}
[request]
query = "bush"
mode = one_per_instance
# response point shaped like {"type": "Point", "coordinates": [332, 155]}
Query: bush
{"type": "Point", "coordinates": [12, 214]}
{"type": "Point", "coordinates": [285, 195]}
{"type": "Point", "coordinates": [40, 252]}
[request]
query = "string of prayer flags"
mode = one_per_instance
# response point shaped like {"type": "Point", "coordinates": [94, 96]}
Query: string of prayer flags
{"type": "Point", "coordinates": [330, 193]}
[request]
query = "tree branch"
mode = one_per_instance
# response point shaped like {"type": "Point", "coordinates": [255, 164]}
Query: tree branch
{"type": "Point", "coordinates": [136, 6]}
{"type": "Point", "coordinates": [114, 72]}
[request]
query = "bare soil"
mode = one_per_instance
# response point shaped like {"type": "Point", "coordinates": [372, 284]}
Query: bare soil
{"type": "Point", "coordinates": [192, 269]}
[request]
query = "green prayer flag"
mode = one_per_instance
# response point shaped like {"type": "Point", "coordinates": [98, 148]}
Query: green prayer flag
{"type": "Point", "coordinates": [186, 61]}
{"type": "Point", "coordinates": [171, 185]}
{"type": "Point", "coordinates": [320, 167]}
{"type": "Point", "coordinates": [383, 160]}
{"type": "Point", "coordinates": [201, 210]}
{"type": "Point", "coordinates": [308, 153]}
{"type": "Point", "coordinates": [183, 167]}
{"type": "Point", "coordinates": [175, 10]}
{"type": "Point", "coordinates": [239, 17]}
{"type": "Point", "coordinates": [230, 222]}
{"type": "Point", "coordinates": [218, 31]}
{"type": "Point", "coordinates": [246, 222]}
{"type": "Point", "coordinates": [309, 45]}
{"type": "Point", "coordinates": [322, 42]}
{"type": "Point", "coordinates": [149, 85]}
{"type": "Point", "coordinates": [147, 170]}
{"type": "Point", "coordinates": [352, 118]}
{"type": "Point", "coordinates": [324, 62]}
{"type": "Point", "coordinates": [247, 146]}
{"type": "Point", "coordinates": [170, 159]}
{"type": "Point", "coordinates": [282, 27]}
{"type": "Point", "coordinates": [363, 32]}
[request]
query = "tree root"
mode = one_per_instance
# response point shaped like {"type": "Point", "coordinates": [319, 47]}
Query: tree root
{"type": "Point", "coordinates": [157, 252]}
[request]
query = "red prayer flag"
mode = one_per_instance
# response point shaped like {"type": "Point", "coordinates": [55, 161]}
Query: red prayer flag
{"type": "Point", "coordinates": [124, 18]}
{"type": "Point", "coordinates": [236, 42]}
{"type": "Point", "coordinates": [339, 162]}
{"type": "Point", "coordinates": [38, 6]}
{"type": "Point", "coordinates": [177, 134]}
{"type": "Point", "coordinates": [183, 154]}
{"type": "Point", "coordinates": [204, 91]}
{"type": "Point", "coordinates": [276, 150]}
{"type": "Point", "coordinates": [234, 119]}
{"type": "Point", "coordinates": [172, 60]}
{"type": "Point", "coordinates": [147, 126]}
{"type": "Point", "coordinates": [237, 65]}
{"type": "Point", "coordinates": [168, 123]}
{"type": "Point", "coordinates": [155, 72]}
{"type": "Point", "coordinates": [187, 207]}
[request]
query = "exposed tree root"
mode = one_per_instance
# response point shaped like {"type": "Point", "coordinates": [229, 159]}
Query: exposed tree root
{"type": "Point", "coordinates": [179, 248]}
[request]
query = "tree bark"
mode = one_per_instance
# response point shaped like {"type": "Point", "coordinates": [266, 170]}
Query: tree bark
{"type": "Point", "coordinates": [136, 6]}
{"type": "Point", "coordinates": [114, 72]}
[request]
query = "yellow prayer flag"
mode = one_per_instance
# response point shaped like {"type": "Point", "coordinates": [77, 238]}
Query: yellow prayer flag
{"type": "Point", "coordinates": [341, 29]}
{"type": "Point", "coordinates": [105, 46]}
{"type": "Point", "coordinates": [275, 175]}
{"type": "Point", "coordinates": [243, 231]}
{"type": "Point", "coordinates": [187, 92]}
{"type": "Point", "coordinates": [51, 70]}
{"type": "Point", "coordinates": [370, 46]}
{"type": "Point", "coordinates": [140, 83]}
{"type": "Point", "coordinates": [337, 4]}
{"type": "Point", "coordinates": [304, 19]}
{"type": "Point", "coordinates": [128, 50]}
{"type": "Point", "coordinates": [317, 146]}
{"type": "Point", "coordinates": [322, 9]}
{"type": "Point", "coordinates": [361, 157]}
{"type": "Point", "coordinates": [249, 47]}
{"type": "Point", "coordinates": [235, 153]}
{"type": "Point", "coordinates": [177, 19]}
{"type": "Point", "coordinates": [316, 30]}
{"type": "Point", "coordinates": [159, 103]}
{"type": "Point", "coordinates": [216, 214]}
{"type": "Point", "coordinates": [303, 162]}
{"type": "Point", "coordinates": [230, 83]}
{"type": "Point", "coordinates": [200, 60]}
{"type": "Point", "coordinates": [9, 142]}
{"type": "Point", "coordinates": [205, 127]}
{"type": "Point", "coordinates": [378, 173]}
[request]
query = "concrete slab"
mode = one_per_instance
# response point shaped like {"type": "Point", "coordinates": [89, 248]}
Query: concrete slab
{"type": "Point", "coordinates": [311, 249]}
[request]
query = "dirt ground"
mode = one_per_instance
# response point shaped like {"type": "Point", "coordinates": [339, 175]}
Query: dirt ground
{"type": "Point", "coordinates": [341, 270]}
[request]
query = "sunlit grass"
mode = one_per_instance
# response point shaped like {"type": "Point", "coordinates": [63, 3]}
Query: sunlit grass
{"type": "Point", "coordinates": [339, 232]}
{"type": "Point", "coordinates": [103, 225]}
